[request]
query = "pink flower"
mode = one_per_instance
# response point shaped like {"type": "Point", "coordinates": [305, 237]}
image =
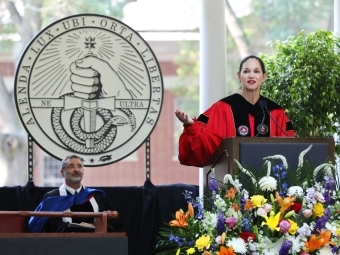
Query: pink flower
{"type": "Point", "coordinates": [307, 213]}
{"type": "Point", "coordinates": [284, 226]}
{"type": "Point", "coordinates": [218, 239]}
{"type": "Point", "coordinates": [304, 253]}
{"type": "Point", "coordinates": [231, 222]}
{"type": "Point", "coordinates": [261, 212]}
{"type": "Point", "coordinates": [267, 207]}
{"type": "Point", "coordinates": [319, 197]}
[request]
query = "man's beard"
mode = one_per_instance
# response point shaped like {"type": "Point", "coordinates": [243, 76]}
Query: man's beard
{"type": "Point", "coordinates": [74, 179]}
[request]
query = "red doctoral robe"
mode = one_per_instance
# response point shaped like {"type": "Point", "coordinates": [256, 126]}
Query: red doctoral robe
{"type": "Point", "coordinates": [232, 116]}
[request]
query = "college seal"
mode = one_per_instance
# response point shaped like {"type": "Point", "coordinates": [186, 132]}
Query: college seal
{"type": "Point", "coordinates": [243, 130]}
{"type": "Point", "coordinates": [90, 85]}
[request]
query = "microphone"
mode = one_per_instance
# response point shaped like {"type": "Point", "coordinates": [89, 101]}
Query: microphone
{"type": "Point", "coordinates": [264, 102]}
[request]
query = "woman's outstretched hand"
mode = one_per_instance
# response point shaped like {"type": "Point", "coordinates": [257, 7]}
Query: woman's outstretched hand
{"type": "Point", "coordinates": [184, 118]}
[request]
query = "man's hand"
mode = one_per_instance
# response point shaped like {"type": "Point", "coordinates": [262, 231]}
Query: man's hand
{"type": "Point", "coordinates": [92, 77]}
{"type": "Point", "coordinates": [184, 118]}
{"type": "Point", "coordinates": [112, 215]}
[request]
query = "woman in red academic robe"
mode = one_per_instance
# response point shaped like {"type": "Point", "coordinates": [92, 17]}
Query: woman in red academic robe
{"type": "Point", "coordinates": [244, 114]}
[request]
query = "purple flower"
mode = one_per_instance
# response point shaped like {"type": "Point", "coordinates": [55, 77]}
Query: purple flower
{"type": "Point", "coordinates": [286, 246]}
{"type": "Point", "coordinates": [231, 222]}
{"type": "Point", "coordinates": [220, 223]}
{"type": "Point", "coordinates": [321, 222]}
{"type": "Point", "coordinates": [213, 185]}
{"type": "Point", "coordinates": [335, 249]}
{"type": "Point", "coordinates": [284, 226]}
{"type": "Point", "coordinates": [329, 186]}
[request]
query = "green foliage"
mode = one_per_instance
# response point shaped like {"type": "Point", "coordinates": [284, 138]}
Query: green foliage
{"type": "Point", "coordinates": [279, 19]}
{"type": "Point", "coordinates": [53, 10]}
{"type": "Point", "coordinates": [66, 8]}
{"type": "Point", "coordinates": [303, 76]}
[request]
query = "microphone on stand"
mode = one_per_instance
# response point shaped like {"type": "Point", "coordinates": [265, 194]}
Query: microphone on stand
{"type": "Point", "coordinates": [264, 102]}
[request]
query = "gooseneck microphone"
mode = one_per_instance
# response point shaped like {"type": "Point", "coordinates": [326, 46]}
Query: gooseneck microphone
{"type": "Point", "coordinates": [264, 103]}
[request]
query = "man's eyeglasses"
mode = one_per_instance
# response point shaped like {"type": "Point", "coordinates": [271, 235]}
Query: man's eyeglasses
{"type": "Point", "coordinates": [71, 166]}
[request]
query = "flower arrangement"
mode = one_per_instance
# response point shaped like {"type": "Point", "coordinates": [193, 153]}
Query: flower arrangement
{"type": "Point", "coordinates": [284, 212]}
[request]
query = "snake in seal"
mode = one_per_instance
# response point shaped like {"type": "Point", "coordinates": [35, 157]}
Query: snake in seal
{"type": "Point", "coordinates": [103, 137]}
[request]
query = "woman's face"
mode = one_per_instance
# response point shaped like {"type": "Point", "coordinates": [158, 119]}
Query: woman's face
{"type": "Point", "coordinates": [251, 75]}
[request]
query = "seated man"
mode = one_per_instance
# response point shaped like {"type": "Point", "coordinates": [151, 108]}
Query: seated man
{"type": "Point", "coordinates": [71, 196]}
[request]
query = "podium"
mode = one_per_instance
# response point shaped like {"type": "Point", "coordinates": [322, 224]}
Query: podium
{"type": "Point", "coordinates": [250, 151]}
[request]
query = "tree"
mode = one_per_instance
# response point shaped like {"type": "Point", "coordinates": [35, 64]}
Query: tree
{"type": "Point", "coordinates": [304, 77]}
{"type": "Point", "coordinates": [278, 19]}
{"type": "Point", "coordinates": [237, 32]}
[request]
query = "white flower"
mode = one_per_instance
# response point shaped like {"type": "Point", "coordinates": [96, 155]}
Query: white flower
{"type": "Point", "coordinates": [238, 185]}
{"type": "Point", "coordinates": [252, 247]}
{"type": "Point", "coordinates": [283, 159]}
{"type": "Point", "coordinates": [326, 250]}
{"type": "Point", "coordinates": [302, 154]}
{"type": "Point", "coordinates": [269, 166]}
{"type": "Point", "coordinates": [268, 183]}
{"type": "Point", "coordinates": [303, 231]}
{"type": "Point", "coordinates": [273, 248]}
{"type": "Point", "coordinates": [325, 165]}
{"type": "Point", "coordinates": [228, 178]}
{"type": "Point", "coordinates": [332, 228]}
{"type": "Point", "coordinates": [238, 244]}
{"type": "Point", "coordinates": [295, 191]}
{"type": "Point", "coordinates": [232, 213]}
{"type": "Point", "coordinates": [328, 171]}
{"type": "Point", "coordinates": [209, 222]}
{"type": "Point", "coordinates": [297, 243]}
{"type": "Point", "coordinates": [220, 203]}
{"type": "Point", "coordinates": [250, 174]}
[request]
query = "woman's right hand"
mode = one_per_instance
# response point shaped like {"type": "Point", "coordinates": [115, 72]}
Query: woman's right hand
{"type": "Point", "coordinates": [184, 118]}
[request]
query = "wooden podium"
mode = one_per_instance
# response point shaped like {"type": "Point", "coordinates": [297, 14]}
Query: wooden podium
{"type": "Point", "coordinates": [250, 151]}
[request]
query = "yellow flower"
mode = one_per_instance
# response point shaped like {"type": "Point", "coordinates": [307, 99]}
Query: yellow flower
{"type": "Point", "coordinates": [293, 227]}
{"type": "Point", "coordinates": [258, 200]}
{"type": "Point", "coordinates": [203, 242]}
{"type": "Point", "coordinates": [191, 251]}
{"type": "Point", "coordinates": [318, 210]}
{"type": "Point", "coordinates": [178, 251]}
{"type": "Point", "coordinates": [338, 231]}
{"type": "Point", "coordinates": [272, 221]}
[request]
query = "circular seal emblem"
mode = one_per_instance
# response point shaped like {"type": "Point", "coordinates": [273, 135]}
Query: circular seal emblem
{"type": "Point", "coordinates": [89, 85]}
{"type": "Point", "coordinates": [243, 130]}
{"type": "Point", "coordinates": [262, 129]}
